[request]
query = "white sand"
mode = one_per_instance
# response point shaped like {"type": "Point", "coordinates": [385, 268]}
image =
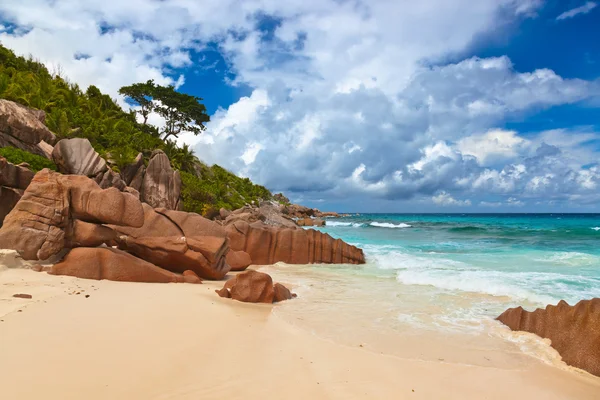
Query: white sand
{"type": "Point", "coordinates": [179, 341]}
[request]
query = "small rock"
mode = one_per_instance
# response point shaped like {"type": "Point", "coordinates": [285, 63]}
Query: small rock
{"type": "Point", "coordinates": [23, 296]}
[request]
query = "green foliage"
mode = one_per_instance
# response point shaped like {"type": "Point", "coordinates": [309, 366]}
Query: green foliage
{"type": "Point", "coordinates": [117, 136]}
{"type": "Point", "coordinates": [17, 156]}
{"type": "Point", "coordinates": [181, 111]}
{"type": "Point", "coordinates": [73, 113]}
{"type": "Point", "coordinates": [218, 188]}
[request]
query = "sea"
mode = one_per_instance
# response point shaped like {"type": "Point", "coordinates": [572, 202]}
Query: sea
{"type": "Point", "coordinates": [443, 275]}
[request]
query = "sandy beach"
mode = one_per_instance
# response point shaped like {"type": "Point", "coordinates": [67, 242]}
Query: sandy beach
{"type": "Point", "coordinates": [111, 340]}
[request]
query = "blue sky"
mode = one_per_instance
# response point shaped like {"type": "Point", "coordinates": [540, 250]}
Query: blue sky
{"type": "Point", "coordinates": [386, 106]}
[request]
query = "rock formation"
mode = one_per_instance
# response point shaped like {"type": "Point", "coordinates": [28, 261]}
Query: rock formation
{"type": "Point", "coordinates": [78, 157]}
{"type": "Point", "coordinates": [58, 211]}
{"type": "Point", "coordinates": [267, 245]}
{"type": "Point", "coordinates": [14, 179]}
{"type": "Point", "coordinates": [23, 128]}
{"type": "Point", "coordinates": [310, 222]}
{"type": "Point", "coordinates": [178, 241]}
{"type": "Point", "coordinates": [254, 287]}
{"type": "Point", "coordinates": [114, 265]}
{"type": "Point", "coordinates": [158, 184]}
{"type": "Point", "coordinates": [573, 330]}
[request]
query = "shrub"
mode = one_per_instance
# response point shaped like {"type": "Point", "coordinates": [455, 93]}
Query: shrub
{"type": "Point", "coordinates": [17, 156]}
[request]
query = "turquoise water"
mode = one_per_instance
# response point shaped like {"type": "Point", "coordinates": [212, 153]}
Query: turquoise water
{"type": "Point", "coordinates": [528, 258]}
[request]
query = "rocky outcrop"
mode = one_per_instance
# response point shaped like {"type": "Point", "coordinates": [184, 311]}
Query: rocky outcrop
{"type": "Point", "coordinates": [310, 222]}
{"type": "Point", "coordinates": [23, 128]}
{"type": "Point", "coordinates": [178, 241]}
{"type": "Point", "coordinates": [14, 179]}
{"type": "Point", "coordinates": [158, 184]}
{"type": "Point", "coordinates": [114, 265]}
{"type": "Point", "coordinates": [253, 287]}
{"type": "Point", "coordinates": [573, 330]}
{"type": "Point", "coordinates": [58, 211]}
{"type": "Point", "coordinates": [269, 214]}
{"type": "Point", "coordinates": [78, 157]}
{"type": "Point", "coordinates": [267, 245]}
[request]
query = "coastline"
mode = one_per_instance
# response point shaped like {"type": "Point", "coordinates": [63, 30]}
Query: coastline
{"type": "Point", "coordinates": [163, 341]}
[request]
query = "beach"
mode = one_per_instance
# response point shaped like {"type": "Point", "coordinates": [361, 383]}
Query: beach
{"type": "Point", "coordinates": [180, 341]}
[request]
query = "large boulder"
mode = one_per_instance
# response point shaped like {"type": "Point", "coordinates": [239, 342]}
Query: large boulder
{"type": "Point", "coordinates": [573, 330]}
{"type": "Point", "coordinates": [254, 287]}
{"type": "Point", "coordinates": [114, 265]}
{"type": "Point", "coordinates": [161, 185]}
{"type": "Point", "coordinates": [44, 221]}
{"type": "Point", "coordinates": [267, 245]}
{"type": "Point", "coordinates": [22, 127]}
{"type": "Point", "coordinates": [78, 157]}
{"type": "Point", "coordinates": [178, 241]}
{"type": "Point", "coordinates": [158, 184]}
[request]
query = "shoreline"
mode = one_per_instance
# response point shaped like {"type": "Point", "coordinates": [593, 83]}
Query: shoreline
{"type": "Point", "coordinates": [180, 341]}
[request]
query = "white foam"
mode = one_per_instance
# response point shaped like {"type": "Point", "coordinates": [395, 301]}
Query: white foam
{"type": "Point", "coordinates": [337, 223]}
{"type": "Point", "coordinates": [596, 228]}
{"type": "Point", "coordinates": [389, 225]}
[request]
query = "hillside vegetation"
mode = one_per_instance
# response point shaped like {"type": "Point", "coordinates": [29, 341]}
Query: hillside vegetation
{"type": "Point", "coordinates": [114, 133]}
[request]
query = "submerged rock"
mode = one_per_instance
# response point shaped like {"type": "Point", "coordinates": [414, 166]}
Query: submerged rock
{"type": "Point", "coordinates": [573, 330]}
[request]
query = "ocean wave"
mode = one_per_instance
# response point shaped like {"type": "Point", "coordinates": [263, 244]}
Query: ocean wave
{"type": "Point", "coordinates": [337, 223]}
{"type": "Point", "coordinates": [596, 228]}
{"type": "Point", "coordinates": [389, 225]}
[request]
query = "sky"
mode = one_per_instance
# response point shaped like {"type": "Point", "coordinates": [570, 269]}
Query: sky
{"type": "Point", "coordinates": [355, 105]}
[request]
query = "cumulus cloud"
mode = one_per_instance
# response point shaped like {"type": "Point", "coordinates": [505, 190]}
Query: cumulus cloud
{"type": "Point", "coordinates": [445, 199]}
{"type": "Point", "coordinates": [349, 100]}
{"type": "Point", "coordinates": [584, 9]}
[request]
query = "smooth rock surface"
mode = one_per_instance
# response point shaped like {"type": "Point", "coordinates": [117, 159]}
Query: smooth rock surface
{"type": "Point", "coordinates": [78, 157]}
{"type": "Point", "coordinates": [111, 264]}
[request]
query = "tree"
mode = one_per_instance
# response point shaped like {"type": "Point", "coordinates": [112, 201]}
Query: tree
{"type": "Point", "coordinates": [141, 95]}
{"type": "Point", "coordinates": [182, 112]}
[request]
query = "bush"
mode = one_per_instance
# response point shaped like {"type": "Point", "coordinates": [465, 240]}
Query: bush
{"type": "Point", "coordinates": [17, 156]}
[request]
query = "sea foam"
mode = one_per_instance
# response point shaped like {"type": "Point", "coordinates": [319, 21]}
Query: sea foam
{"type": "Point", "coordinates": [389, 225]}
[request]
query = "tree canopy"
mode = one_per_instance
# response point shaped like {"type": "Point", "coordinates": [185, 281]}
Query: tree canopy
{"type": "Point", "coordinates": [182, 112]}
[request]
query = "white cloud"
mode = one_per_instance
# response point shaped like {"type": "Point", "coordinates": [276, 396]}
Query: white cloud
{"type": "Point", "coordinates": [584, 9]}
{"type": "Point", "coordinates": [445, 199]}
{"type": "Point", "coordinates": [492, 146]}
{"type": "Point", "coordinates": [349, 99]}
